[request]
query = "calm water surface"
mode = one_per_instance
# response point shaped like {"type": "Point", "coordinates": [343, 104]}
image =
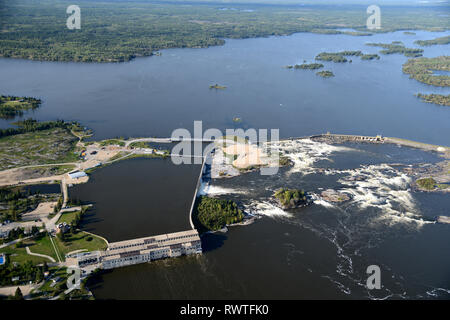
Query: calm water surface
{"type": "Point", "coordinates": [139, 197]}
{"type": "Point", "coordinates": [155, 95]}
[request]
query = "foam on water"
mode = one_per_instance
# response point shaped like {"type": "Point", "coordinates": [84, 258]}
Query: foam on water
{"type": "Point", "coordinates": [383, 187]}
{"type": "Point", "coordinates": [321, 202]}
{"type": "Point", "coordinates": [324, 203]}
{"type": "Point", "coordinates": [381, 198]}
{"type": "Point", "coordinates": [268, 209]}
{"type": "Point", "coordinates": [213, 190]}
{"type": "Point", "coordinates": [305, 152]}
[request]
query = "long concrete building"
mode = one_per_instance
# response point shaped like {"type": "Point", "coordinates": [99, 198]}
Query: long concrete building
{"type": "Point", "coordinates": [129, 252]}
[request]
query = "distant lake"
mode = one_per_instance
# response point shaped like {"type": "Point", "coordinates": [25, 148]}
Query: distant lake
{"type": "Point", "coordinates": [152, 96]}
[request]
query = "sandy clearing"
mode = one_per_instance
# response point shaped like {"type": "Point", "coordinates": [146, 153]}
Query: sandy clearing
{"type": "Point", "coordinates": [9, 291]}
{"type": "Point", "coordinates": [42, 211]}
{"type": "Point", "coordinates": [247, 155]}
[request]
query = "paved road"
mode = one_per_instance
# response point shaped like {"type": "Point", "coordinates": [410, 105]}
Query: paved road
{"type": "Point", "coordinates": [50, 224]}
{"type": "Point", "coordinates": [165, 140]}
{"type": "Point", "coordinates": [44, 165]}
{"type": "Point", "coordinates": [156, 140]}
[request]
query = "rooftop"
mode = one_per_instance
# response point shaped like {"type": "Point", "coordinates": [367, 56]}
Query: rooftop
{"type": "Point", "coordinates": [164, 240]}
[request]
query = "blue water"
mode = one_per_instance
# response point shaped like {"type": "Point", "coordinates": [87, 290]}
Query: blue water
{"type": "Point", "coordinates": [152, 96]}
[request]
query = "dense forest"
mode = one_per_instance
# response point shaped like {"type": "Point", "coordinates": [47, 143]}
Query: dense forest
{"type": "Point", "coordinates": [24, 272]}
{"type": "Point", "coordinates": [115, 31]}
{"type": "Point", "coordinates": [215, 214]}
{"type": "Point", "coordinates": [291, 198]}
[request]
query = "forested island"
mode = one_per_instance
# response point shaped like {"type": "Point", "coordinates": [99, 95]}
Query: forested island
{"type": "Point", "coordinates": [214, 213]}
{"type": "Point", "coordinates": [440, 99]}
{"type": "Point", "coordinates": [422, 70]}
{"type": "Point", "coordinates": [291, 198]}
{"type": "Point", "coordinates": [310, 66]}
{"type": "Point", "coordinates": [11, 106]}
{"type": "Point", "coordinates": [113, 32]}
{"type": "Point", "coordinates": [340, 57]}
{"type": "Point", "coordinates": [397, 47]}
{"type": "Point", "coordinates": [427, 43]}
{"type": "Point", "coordinates": [325, 74]}
{"type": "Point", "coordinates": [429, 184]}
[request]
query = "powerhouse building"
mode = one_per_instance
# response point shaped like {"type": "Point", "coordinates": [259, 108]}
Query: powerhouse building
{"type": "Point", "coordinates": [129, 252]}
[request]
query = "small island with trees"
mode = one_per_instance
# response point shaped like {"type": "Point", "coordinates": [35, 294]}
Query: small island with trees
{"type": "Point", "coordinates": [214, 214]}
{"type": "Point", "coordinates": [337, 57]}
{"type": "Point", "coordinates": [397, 47]}
{"type": "Point", "coordinates": [440, 99]}
{"type": "Point", "coordinates": [11, 106]}
{"type": "Point", "coordinates": [430, 184]}
{"type": "Point", "coordinates": [310, 66]}
{"type": "Point", "coordinates": [291, 198]}
{"type": "Point", "coordinates": [325, 74]}
{"type": "Point", "coordinates": [427, 43]}
{"type": "Point", "coordinates": [340, 57]}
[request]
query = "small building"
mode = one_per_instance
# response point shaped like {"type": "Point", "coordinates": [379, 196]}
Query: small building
{"type": "Point", "coordinates": [77, 174]}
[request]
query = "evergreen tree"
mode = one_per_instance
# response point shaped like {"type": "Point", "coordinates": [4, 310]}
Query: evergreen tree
{"type": "Point", "coordinates": [18, 295]}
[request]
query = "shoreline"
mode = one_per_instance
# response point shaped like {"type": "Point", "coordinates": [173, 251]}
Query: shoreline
{"type": "Point", "coordinates": [328, 138]}
{"type": "Point", "coordinates": [356, 31]}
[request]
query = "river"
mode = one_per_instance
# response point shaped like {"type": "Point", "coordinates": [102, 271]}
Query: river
{"type": "Point", "coordinates": [321, 251]}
